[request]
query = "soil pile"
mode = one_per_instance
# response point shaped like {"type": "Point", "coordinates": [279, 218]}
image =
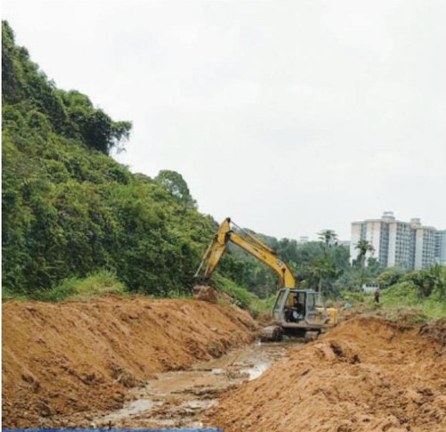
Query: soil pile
{"type": "Point", "coordinates": [66, 358]}
{"type": "Point", "coordinates": [365, 375]}
{"type": "Point", "coordinates": [435, 331]}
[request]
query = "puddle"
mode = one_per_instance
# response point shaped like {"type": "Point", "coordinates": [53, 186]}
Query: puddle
{"type": "Point", "coordinates": [180, 399]}
{"type": "Point", "coordinates": [199, 404]}
{"type": "Point", "coordinates": [257, 370]}
{"type": "Point", "coordinates": [133, 408]}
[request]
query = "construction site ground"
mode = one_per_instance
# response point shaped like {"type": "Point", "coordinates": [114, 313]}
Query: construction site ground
{"type": "Point", "coordinates": [65, 363]}
{"type": "Point", "coordinates": [141, 363]}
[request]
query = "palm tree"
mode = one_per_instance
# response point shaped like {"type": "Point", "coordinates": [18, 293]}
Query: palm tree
{"type": "Point", "coordinates": [324, 268]}
{"type": "Point", "coordinates": [363, 246]}
{"type": "Point", "coordinates": [327, 237]}
{"type": "Point", "coordinates": [318, 271]}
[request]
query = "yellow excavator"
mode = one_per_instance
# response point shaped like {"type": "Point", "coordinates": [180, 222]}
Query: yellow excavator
{"type": "Point", "coordinates": [296, 312]}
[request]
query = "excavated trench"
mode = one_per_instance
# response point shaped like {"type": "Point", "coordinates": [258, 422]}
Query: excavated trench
{"type": "Point", "coordinates": [181, 399]}
{"type": "Point", "coordinates": [64, 364]}
{"type": "Point", "coordinates": [139, 363]}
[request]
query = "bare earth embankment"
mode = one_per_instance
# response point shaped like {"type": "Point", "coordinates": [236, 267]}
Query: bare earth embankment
{"type": "Point", "coordinates": [366, 375]}
{"type": "Point", "coordinates": [73, 363]}
{"type": "Point", "coordinates": [66, 358]}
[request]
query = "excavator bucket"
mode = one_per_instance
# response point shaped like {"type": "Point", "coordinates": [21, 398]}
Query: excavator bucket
{"type": "Point", "coordinates": [205, 293]}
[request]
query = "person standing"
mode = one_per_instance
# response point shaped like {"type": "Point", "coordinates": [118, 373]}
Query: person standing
{"type": "Point", "coordinates": [376, 295]}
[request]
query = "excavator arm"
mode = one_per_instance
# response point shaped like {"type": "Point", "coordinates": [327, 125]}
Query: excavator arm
{"type": "Point", "coordinates": [248, 243]}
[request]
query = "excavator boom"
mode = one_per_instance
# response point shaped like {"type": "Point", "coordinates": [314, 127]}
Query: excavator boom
{"type": "Point", "coordinates": [248, 243]}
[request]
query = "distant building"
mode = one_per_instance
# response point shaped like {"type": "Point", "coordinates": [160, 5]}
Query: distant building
{"type": "Point", "coordinates": [396, 243]}
{"type": "Point", "coordinates": [440, 247]}
{"type": "Point", "coordinates": [424, 247]}
{"type": "Point", "coordinates": [376, 232]}
{"type": "Point", "coordinates": [303, 239]}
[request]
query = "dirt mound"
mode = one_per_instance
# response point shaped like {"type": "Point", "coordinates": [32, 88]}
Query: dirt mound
{"type": "Point", "coordinates": [436, 331]}
{"type": "Point", "coordinates": [61, 359]}
{"type": "Point", "coordinates": [365, 375]}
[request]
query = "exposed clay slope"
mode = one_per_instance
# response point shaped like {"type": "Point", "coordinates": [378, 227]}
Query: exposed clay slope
{"type": "Point", "coordinates": [59, 359]}
{"type": "Point", "coordinates": [365, 375]}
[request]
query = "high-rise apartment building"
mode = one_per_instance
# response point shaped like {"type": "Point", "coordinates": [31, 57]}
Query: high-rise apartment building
{"type": "Point", "coordinates": [424, 247]}
{"type": "Point", "coordinates": [400, 252]}
{"type": "Point", "coordinates": [396, 243]}
{"type": "Point", "coordinates": [440, 247]}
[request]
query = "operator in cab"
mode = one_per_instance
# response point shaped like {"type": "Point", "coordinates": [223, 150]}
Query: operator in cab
{"type": "Point", "coordinates": [300, 309]}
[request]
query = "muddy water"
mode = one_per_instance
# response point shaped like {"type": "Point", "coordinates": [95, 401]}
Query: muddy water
{"type": "Point", "coordinates": [180, 399]}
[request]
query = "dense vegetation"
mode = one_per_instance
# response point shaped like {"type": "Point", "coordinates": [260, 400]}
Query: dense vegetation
{"type": "Point", "coordinates": [70, 210]}
{"type": "Point", "coordinates": [423, 292]}
{"type": "Point", "coordinates": [424, 289]}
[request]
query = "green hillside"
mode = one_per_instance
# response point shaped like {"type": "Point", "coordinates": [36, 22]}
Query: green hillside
{"type": "Point", "coordinates": [70, 210]}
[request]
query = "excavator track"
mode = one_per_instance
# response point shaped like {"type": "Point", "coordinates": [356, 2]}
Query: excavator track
{"type": "Point", "coordinates": [311, 335]}
{"type": "Point", "coordinates": [271, 334]}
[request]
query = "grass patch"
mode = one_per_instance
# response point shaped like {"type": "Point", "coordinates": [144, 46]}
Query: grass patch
{"type": "Point", "coordinates": [355, 296]}
{"type": "Point", "coordinates": [98, 284]}
{"type": "Point", "coordinates": [401, 301]}
{"type": "Point", "coordinates": [406, 295]}
{"type": "Point", "coordinates": [265, 305]}
{"type": "Point", "coordinates": [8, 294]}
{"type": "Point", "coordinates": [242, 297]}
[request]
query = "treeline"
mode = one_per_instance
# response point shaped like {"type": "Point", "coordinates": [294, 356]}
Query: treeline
{"type": "Point", "coordinates": [30, 99]}
{"type": "Point", "coordinates": [70, 210]}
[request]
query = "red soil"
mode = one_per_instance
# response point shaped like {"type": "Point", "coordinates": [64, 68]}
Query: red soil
{"type": "Point", "coordinates": [366, 375]}
{"type": "Point", "coordinates": [66, 358]}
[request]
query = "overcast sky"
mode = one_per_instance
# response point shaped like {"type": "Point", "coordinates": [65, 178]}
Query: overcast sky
{"type": "Point", "coordinates": [288, 116]}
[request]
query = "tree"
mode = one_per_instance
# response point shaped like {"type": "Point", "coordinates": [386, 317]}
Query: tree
{"type": "Point", "coordinates": [429, 281]}
{"type": "Point", "coordinates": [96, 129]}
{"type": "Point", "coordinates": [175, 184]}
{"type": "Point", "coordinates": [325, 267]}
{"type": "Point", "coordinates": [320, 270]}
{"type": "Point", "coordinates": [340, 257]}
{"type": "Point", "coordinates": [363, 246]}
{"type": "Point", "coordinates": [390, 277]}
{"type": "Point", "coordinates": [328, 237]}
{"type": "Point", "coordinates": [71, 114]}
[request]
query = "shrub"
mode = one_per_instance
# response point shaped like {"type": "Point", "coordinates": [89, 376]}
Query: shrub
{"type": "Point", "coordinates": [241, 296]}
{"type": "Point", "coordinates": [98, 284]}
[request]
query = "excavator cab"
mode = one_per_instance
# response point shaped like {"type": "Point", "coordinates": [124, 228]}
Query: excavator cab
{"type": "Point", "coordinates": [298, 312]}
{"type": "Point", "coordinates": [295, 305]}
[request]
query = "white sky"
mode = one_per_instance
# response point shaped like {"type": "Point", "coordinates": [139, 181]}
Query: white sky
{"type": "Point", "coordinates": [288, 116]}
